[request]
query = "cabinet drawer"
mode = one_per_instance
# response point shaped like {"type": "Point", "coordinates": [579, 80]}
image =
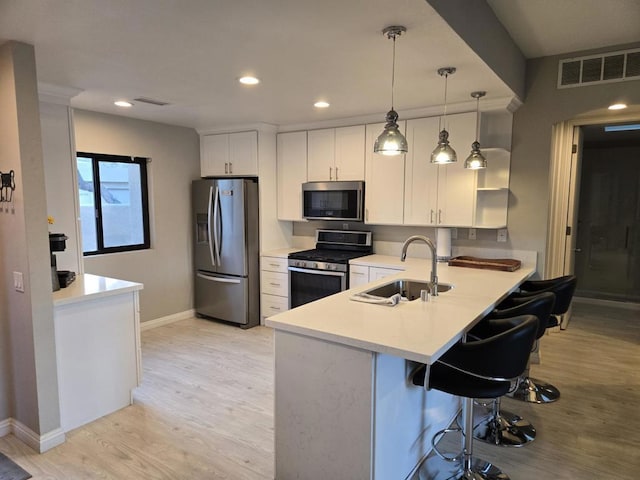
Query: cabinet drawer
{"type": "Point", "coordinates": [376, 273]}
{"type": "Point", "coordinates": [274, 264]}
{"type": "Point", "coordinates": [274, 283]}
{"type": "Point", "coordinates": [271, 304]}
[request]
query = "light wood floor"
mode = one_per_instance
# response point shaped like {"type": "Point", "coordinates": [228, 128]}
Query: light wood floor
{"type": "Point", "coordinates": [204, 410]}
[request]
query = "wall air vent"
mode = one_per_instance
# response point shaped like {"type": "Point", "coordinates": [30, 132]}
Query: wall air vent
{"type": "Point", "coordinates": [595, 69]}
{"type": "Point", "coordinates": [150, 101]}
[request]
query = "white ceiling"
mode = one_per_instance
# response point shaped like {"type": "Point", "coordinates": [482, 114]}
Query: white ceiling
{"type": "Point", "coordinates": [551, 27]}
{"type": "Point", "coordinates": [191, 52]}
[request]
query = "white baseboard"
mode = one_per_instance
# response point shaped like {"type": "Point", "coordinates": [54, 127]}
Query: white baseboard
{"type": "Point", "coordinates": [40, 443]}
{"type": "Point", "coordinates": [158, 322]}
{"type": "Point", "coordinates": [607, 303]}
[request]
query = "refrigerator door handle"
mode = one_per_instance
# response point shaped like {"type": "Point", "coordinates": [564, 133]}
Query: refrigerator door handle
{"type": "Point", "coordinates": [217, 225]}
{"type": "Point", "coordinates": [217, 279]}
{"type": "Point", "coordinates": [209, 224]}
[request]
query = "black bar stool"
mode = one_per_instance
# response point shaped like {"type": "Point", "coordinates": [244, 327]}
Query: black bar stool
{"type": "Point", "coordinates": [501, 427]}
{"type": "Point", "coordinates": [476, 369]}
{"type": "Point", "coordinates": [530, 389]}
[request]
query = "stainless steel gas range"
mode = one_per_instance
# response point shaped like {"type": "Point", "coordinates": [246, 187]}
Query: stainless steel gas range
{"type": "Point", "coordinates": [324, 270]}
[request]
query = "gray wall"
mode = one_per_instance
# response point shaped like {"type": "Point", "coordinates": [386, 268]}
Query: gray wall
{"type": "Point", "coordinates": [544, 106]}
{"type": "Point", "coordinates": [28, 374]}
{"type": "Point", "coordinates": [165, 269]}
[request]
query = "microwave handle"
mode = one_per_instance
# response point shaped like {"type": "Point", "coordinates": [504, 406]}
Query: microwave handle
{"type": "Point", "coordinates": [336, 173]}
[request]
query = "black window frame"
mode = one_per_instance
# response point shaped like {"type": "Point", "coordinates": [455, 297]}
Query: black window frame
{"type": "Point", "coordinates": [96, 159]}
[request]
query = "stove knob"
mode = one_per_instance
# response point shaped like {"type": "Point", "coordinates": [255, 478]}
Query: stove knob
{"type": "Point", "coordinates": [315, 265]}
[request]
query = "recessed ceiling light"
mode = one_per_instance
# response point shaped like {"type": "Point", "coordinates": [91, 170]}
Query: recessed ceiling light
{"type": "Point", "coordinates": [617, 106]}
{"type": "Point", "coordinates": [321, 104]}
{"type": "Point", "coordinates": [123, 103]}
{"type": "Point", "coordinates": [249, 80]}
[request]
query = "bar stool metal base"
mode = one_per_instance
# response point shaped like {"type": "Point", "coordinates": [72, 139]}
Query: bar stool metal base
{"type": "Point", "coordinates": [434, 468]}
{"type": "Point", "coordinates": [535, 391]}
{"type": "Point", "coordinates": [505, 430]}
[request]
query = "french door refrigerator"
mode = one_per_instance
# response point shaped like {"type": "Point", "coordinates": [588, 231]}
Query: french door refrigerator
{"type": "Point", "coordinates": [226, 250]}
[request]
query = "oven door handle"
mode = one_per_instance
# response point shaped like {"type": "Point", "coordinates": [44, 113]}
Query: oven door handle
{"type": "Point", "coordinates": [317, 272]}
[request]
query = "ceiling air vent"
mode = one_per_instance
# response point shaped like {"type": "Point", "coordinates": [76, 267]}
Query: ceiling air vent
{"type": "Point", "coordinates": [150, 101]}
{"type": "Point", "coordinates": [604, 68]}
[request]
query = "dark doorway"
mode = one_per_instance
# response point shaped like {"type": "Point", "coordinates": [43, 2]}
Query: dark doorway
{"type": "Point", "coordinates": [607, 260]}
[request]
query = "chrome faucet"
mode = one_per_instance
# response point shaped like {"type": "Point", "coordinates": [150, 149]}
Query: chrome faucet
{"type": "Point", "coordinates": [434, 258]}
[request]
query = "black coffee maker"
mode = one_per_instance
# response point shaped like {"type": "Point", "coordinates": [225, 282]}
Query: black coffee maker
{"type": "Point", "coordinates": [62, 278]}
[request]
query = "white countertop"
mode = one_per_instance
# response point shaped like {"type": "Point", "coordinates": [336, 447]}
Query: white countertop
{"type": "Point", "coordinates": [280, 253]}
{"type": "Point", "coordinates": [88, 286]}
{"type": "Point", "coordinates": [419, 331]}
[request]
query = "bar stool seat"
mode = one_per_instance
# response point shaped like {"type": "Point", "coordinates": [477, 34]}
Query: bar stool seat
{"type": "Point", "coordinates": [501, 427]}
{"type": "Point", "coordinates": [477, 368]}
{"type": "Point", "coordinates": [530, 389]}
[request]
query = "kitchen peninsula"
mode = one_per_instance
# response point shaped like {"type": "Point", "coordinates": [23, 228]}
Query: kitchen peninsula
{"type": "Point", "coordinates": [97, 330]}
{"type": "Point", "coordinates": [343, 405]}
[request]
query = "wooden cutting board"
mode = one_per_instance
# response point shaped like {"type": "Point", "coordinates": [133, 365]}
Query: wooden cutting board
{"type": "Point", "coordinates": [503, 264]}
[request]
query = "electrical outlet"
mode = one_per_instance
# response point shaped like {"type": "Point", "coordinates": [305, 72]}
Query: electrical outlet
{"type": "Point", "coordinates": [472, 234]}
{"type": "Point", "coordinates": [18, 282]}
{"type": "Point", "coordinates": [502, 235]}
{"type": "Point", "coordinates": [454, 234]}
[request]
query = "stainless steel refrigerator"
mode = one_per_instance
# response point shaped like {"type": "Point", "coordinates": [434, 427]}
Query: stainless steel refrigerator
{"type": "Point", "coordinates": [226, 250]}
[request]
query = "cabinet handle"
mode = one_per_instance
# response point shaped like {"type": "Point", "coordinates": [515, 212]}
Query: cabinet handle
{"type": "Point", "coordinates": [330, 173]}
{"type": "Point", "coordinates": [336, 173]}
{"type": "Point", "coordinates": [366, 214]}
{"type": "Point", "coordinates": [274, 308]}
{"type": "Point", "coordinates": [230, 167]}
{"type": "Point", "coordinates": [274, 264]}
{"type": "Point", "coordinates": [431, 216]}
{"type": "Point", "coordinates": [358, 273]}
{"type": "Point", "coordinates": [226, 167]}
{"type": "Point", "coordinates": [439, 216]}
{"type": "Point", "coordinates": [274, 284]}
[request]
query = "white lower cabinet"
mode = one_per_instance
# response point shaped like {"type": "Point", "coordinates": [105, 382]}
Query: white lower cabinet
{"type": "Point", "coordinates": [274, 286]}
{"type": "Point", "coordinates": [362, 274]}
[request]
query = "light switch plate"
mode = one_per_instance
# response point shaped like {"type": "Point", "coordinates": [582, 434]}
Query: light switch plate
{"type": "Point", "coordinates": [18, 282]}
{"type": "Point", "coordinates": [472, 234]}
{"type": "Point", "coordinates": [502, 235]}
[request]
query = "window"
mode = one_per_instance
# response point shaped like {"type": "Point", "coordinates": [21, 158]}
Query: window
{"type": "Point", "coordinates": [114, 206]}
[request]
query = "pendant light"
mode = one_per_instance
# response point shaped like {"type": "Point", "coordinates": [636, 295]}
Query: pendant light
{"type": "Point", "coordinates": [391, 141]}
{"type": "Point", "coordinates": [476, 160]}
{"type": "Point", "coordinates": [443, 153]}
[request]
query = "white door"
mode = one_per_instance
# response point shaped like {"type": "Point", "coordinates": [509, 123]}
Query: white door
{"type": "Point", "coordinates": [421, 176]}
{"type": "Point", "coordinates": [243, 153]}
{"type": "Point", "coordinates": [384, 182]}
{"type": "Point", "coordinates": [349, 153]}
{"type": "Point", "coordinates": [320, 155]}
{"type": "Point", "coordinates": [214, 155]}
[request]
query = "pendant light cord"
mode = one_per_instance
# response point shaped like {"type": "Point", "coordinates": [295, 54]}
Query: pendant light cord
{"type": "Point", "coordinates": [393, 70]}
{"type": "Point", "coordinates": [477, 118]}
{"type": "Point", "coordinates": [444, 117]}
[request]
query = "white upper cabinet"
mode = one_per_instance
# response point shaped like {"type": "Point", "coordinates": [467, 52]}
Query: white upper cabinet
{"type": "Point", "coordinates": [421, 176]}
{"type": "Point", "coordinates": [384, 182]}
{"type": "Point", "coordinates": [456, 184]}
{"type": "Point", "coordinates": [291, 173]}
{"type": "Point", "coordinates": [336, 154]}
{"type": "Point", "coordinates": [441, 195]}
{"type": "Point", "coordinates": [229, 154]}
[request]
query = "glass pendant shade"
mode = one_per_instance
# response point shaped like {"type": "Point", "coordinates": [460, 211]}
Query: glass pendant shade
{"type": "Point", "coordinates": [443, 153]}
{"type": "Point", "coordinates": [391, 141]}
{"type": "Point", "coordinates": [475, 160]}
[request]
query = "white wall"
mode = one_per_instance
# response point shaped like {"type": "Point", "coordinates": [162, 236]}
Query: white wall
{"type": "Point", "coordinates": [166, 269]}
{"type": "Point", "coordinates": [28, 373]}
{"type": "Point", "coordinates": [544, 106]}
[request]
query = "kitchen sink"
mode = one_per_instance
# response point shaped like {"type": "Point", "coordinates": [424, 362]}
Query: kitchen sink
{"type": "Point", "coordinates": [410, 289]}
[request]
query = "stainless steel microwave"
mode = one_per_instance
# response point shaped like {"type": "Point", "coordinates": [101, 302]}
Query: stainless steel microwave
{"type": "Point", "coordinates": [333, 201]}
